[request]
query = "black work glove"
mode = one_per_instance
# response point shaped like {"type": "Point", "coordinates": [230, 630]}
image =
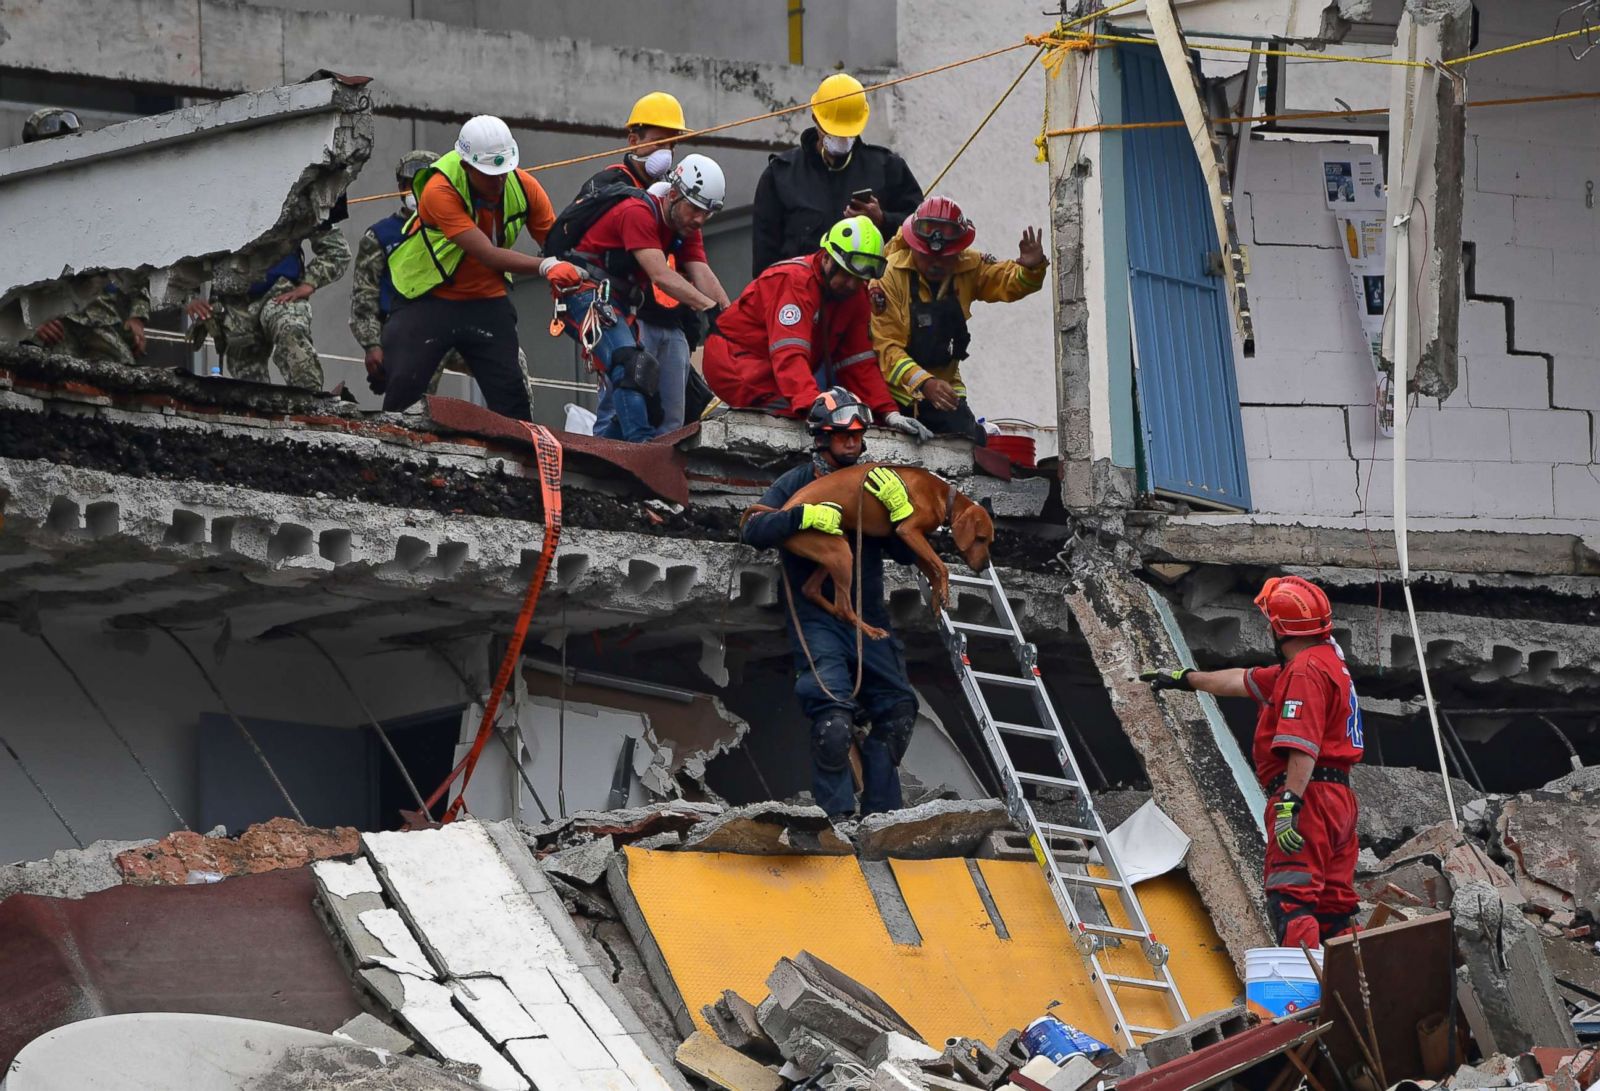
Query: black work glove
{"type": "Point", "coordinates": [1160, 680]}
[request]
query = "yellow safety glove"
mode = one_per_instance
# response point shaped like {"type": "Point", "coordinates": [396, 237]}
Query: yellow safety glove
{"type": "Point", "coordinates": [1159, 680]}
{"type": "Point", "coordinates": [825, 517]}
{"type": "Point", "coordinates": [1286, 822]}
{"type": "Point", "coordinates": [884, 484]}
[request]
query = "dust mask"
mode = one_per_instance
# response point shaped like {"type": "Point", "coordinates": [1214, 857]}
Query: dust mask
{"type": "Point", "coordinates": [658, 162]}
{"type": "Point", "coordinates": [409, 201]}
{"type": "Point", "coordinates": [837, 146]}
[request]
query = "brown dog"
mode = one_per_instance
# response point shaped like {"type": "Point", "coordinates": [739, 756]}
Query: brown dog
{"type": "Point", "coordinates": [936, 501]}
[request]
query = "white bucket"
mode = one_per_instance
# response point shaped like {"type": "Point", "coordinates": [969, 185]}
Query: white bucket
{"type": "Point", "coordinates": [1278, 981]}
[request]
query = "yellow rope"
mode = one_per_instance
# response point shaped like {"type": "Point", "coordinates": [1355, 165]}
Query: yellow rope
{"type": "Point", "coordinates": [1520, 45]}
{"type": "Point", "coordinates": [1134, 125]}
{"type": "Point", "coordinates": [1001, 101]}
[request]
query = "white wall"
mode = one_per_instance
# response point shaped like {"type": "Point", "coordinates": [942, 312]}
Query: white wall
{"type": "Point", "coordinates": [155, 697]}
{"type": "Point", "coordinates": [998, 184]}
{"type": "Point", "coordinates": [1516, 439]}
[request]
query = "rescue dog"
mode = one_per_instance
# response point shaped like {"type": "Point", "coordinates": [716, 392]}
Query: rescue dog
{"type": "Point", "coordinates": [936, 502]}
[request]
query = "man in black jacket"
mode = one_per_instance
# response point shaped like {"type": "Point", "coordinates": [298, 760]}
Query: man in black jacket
{"type": "Point", "coordinates": [824, 647]}
{"type": "Point", "coordinates": [832, 175]}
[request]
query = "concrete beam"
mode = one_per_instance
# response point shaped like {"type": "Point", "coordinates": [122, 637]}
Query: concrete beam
{"type": "Point", "coordinates": [178, 178]}
{"type": "Point", "coordinates": [422, 68]}
{"type": "Point", "coordinates": [1253, 18]}
{"type": "Point", "coordinates": [1248, 541]}
{"type": "Point", "coordinates": [1190, 774]}
{"type": "Point", "coordinates": [1428, 126]}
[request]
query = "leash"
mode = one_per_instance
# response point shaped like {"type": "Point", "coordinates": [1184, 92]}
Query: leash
{"type": "Point", "coordinates": [547, 450]}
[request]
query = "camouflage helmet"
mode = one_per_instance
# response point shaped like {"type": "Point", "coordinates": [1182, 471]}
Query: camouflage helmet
{"type": "Point", "coordinates": [410, 164]}
{"type": "Point", "coordinates": [48, 122]}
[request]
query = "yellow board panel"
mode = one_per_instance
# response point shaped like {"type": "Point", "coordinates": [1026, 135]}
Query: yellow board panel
{"type": "Point", "coordinates": [722, 920]}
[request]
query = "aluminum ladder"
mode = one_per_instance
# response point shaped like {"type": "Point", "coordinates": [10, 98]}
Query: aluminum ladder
{"type": "Point", "coordinates": [1053, 840]}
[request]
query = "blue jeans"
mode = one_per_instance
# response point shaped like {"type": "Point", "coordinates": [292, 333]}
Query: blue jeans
{"type": "Point", "coordinates": [886, 701]}
{"type": "Point", "coordinates": [629, 412]}
{"type": "Point", "coordinates": [671, 349]}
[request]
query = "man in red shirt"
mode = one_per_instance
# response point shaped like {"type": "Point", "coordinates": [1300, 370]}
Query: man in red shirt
{"type": "Point", "coordinates": [1308, 735]}
{"type": "Point", "coordinates": [803, 326]}
{"type": "Point", "coordinates": [628, 246]}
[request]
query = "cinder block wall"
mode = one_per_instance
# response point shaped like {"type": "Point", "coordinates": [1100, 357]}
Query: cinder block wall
{"type": "Point", "coordinates": [1517, 438]}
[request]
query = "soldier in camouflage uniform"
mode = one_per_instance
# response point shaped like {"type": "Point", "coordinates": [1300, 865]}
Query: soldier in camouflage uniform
{"type": "Point", "coordinates": [372, 292]}
{"type": "Point", "coordinates": [254, 323]}
{"type": "Point", "coordinates": [111, 327]}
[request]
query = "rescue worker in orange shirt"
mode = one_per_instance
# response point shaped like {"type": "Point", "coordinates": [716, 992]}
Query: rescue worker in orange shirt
{"type": "Point", "coordinates": [1308, 735]}
{"type": "Point", "coordinates": [452, 270]}
{"type": "Point", "coordinates": [802, 327]}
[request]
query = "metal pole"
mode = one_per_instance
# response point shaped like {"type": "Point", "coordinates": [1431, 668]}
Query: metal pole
{"type": "Point", "coordinates": [44, 795]}
{"type": "Point", "coordinates": [234, 716]}
{"type": "Point", "coordinates": [111, 727]}
{"type": "Point", "coordinates": [372, 721]}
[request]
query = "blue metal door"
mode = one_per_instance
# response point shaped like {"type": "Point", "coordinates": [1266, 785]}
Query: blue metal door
{"type": "Point", "coordinates": [1191, 438]}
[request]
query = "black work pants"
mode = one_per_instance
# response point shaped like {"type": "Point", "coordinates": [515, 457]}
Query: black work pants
{"type": "Point", "coordinates": [484, 331]}
{"type": "Point", "coordinates": [951, 422]}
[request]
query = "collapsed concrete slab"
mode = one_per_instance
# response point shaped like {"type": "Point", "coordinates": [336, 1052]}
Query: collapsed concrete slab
{"type": "Point", "coordinates": [1197, 775]}
{"type": "Point", "coordinates": [305, 143]}
{"type": "Point", "coordinates": [68, 873]}
{"type": "Point", "coordinates": [767, 829]}
{"type": "Point", "coordinates": [940, 827]}
{"type": "Point", "coordinates": [1555, 841]}
{"type": "Point", "coordinates": [1506, 969]}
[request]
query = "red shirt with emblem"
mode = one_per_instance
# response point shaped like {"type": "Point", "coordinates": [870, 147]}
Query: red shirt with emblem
{"type": "Point", "coordinates": [1309, 706]}
{"type": "Point", "coordinates": [639, 223]}
{"type": "Point", "coordinates": [785, 316]}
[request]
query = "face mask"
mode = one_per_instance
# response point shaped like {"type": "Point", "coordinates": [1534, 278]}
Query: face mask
{"type": "Point", "coordinates": [658, 162]}
{"type": "Point", "coordinates": [409, 201]}
{"type": "Point", "coordinates": [837, 146]}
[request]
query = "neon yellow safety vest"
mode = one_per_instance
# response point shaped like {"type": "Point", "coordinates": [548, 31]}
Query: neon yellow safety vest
{"type": "Point", "coordinates": [426, 259]}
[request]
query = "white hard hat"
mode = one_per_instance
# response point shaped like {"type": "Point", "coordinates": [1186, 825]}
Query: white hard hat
{"type": "Point", "coordinates": [486, 144]}
{"type": "Point", "coordinates": [700, 181]}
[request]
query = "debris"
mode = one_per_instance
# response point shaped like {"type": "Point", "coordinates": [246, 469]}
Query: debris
{"type": "Point", "coordinates": [735, 1022]}
{"type": "Point", "coordinates": [894, 1047]}
{"type": "Point", "coordinates": [68, 873]}
{"type": "Point", "coordinates": [1555, 841]}
{"type": "Point", "coordinates": [1409, 969]}
{"type": "Point", "coordinates": [1396, 800]}
{"type": "Point", "coordinates": [975, 1062]}
{"type": "Point", "coordinates": [721, 1066]}
{"type": "Point", "coordinates": [938, 828]}
{"type": "Point", "coordinates": [369, 1030]}
{"type": "Point", "coordinates": [817, 1005]}
{"type": "Point", "coordinates": [267, 846]}
{"type": "Point", "coordinates": [1506, 970]}
{"type": "Point", "coordinates": [585, 864]}
{"type": "Point", "coordinates": [1196, 1034]}
{"type": "Point", "coordinates": [769, 829]}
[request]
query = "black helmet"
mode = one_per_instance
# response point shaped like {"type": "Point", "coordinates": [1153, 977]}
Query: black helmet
{"type": "Point", "coordinates": [837, 410]}
{"type": "Point", "coordinates": [48, 122]}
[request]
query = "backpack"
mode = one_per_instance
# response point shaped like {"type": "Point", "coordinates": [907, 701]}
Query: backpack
{"type": "Point", "coordinates": [588, 206]}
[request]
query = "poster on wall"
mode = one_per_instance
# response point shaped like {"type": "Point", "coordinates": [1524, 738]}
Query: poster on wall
{"type": "Point", "coordinates": [1352, 180]}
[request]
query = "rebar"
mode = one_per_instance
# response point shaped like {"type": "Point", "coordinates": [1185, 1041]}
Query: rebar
{"type": "Point", "coordinates": [44, 795]}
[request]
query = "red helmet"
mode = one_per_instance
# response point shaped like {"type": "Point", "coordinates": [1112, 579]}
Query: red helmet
{"type": "Point", "coordinates": [1295, 607]}
{"type": "Point", "coordinates": [938, 227]}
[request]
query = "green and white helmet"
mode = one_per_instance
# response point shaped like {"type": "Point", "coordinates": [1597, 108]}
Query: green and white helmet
{"type": "Point", "coordinates": [857, 245]}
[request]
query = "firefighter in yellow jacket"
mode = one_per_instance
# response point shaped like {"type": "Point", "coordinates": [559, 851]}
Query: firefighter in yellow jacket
{"type": "Point", "coordinates": [922, 303]}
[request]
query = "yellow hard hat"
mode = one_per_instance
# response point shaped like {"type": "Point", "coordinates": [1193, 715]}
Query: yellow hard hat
{"type": "Point", "coordinates": [658, 110]}
{"type": "Point", "coordinates": [846, 113]}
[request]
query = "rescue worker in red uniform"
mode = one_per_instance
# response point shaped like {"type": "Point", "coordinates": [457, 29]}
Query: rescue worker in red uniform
{"type": "Point", "coordinates": [1308, 735]}
{"type": "Point", "coordinates": [804, 326]}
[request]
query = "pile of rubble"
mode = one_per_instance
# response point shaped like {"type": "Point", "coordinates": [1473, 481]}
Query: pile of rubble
{"type": "Point", "coordinates": [820, 1028]}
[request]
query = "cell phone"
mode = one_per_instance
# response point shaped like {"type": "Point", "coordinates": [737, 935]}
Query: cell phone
{"type": "Point", "coordinates": [862, 195]}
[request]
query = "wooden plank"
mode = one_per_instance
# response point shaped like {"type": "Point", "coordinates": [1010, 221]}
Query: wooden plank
{"type": "Point", "coordinates": [702, 1055]}
{"type": "Point", "coordinates": [1410, 974]}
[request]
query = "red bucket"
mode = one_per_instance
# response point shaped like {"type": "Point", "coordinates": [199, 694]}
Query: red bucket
{"type": "Point", "coordinates": [1019, 449]}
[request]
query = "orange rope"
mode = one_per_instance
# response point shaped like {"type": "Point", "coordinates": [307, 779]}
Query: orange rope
{"type": "Point", "coordinates": [548, 452]}
{"type": "Point", "coordinates": [1133, 125]}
